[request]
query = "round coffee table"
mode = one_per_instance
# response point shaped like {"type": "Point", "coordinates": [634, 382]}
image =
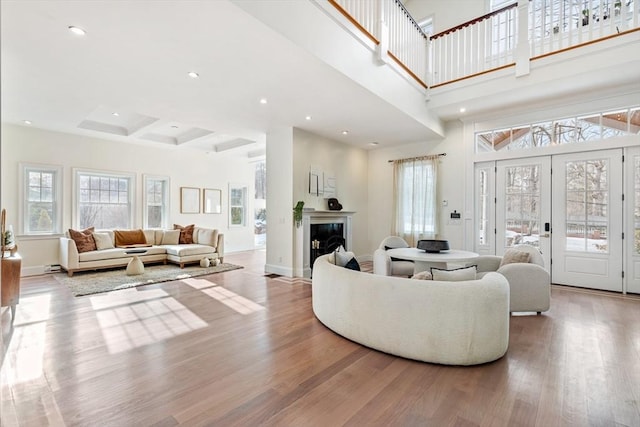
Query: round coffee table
{"type": "Point", "coordinates": [423, 261]}
{"type": "Point", "coordinates": [135, 266]}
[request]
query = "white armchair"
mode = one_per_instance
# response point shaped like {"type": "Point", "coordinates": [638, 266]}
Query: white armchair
{"type": "Point", "coordinates": [529, 283]}
{"type": "Point", "coordinates": [384, 265]}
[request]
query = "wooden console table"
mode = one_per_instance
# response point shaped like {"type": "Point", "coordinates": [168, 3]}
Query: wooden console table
{"type": "Point", "coordinates": [11, 282]}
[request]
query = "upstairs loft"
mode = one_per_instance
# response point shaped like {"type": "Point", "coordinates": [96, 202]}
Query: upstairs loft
{"type": "Point", "coordinates": [524, 55]}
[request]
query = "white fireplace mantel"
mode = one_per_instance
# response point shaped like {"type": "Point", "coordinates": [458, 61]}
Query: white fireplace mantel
{"type": "Point", "coordinates": [303, 249]}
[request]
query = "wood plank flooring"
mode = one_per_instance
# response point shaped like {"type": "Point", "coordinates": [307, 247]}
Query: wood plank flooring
{"type": "Point", "coordinates": [242, 349]}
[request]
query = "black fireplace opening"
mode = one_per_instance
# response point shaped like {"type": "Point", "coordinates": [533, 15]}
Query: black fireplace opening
{"type": "Point", "coordinates": [324, 239]}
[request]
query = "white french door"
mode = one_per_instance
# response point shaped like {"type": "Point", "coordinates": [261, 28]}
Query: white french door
{"type": "Point", "coordinates": [523, 204]}
{"type": "Point", "coordinates": [632, 216]}
{"type": "Point", "coordinates": [575, 216]}
{"type": "Point", "coordinates": [587, 219]}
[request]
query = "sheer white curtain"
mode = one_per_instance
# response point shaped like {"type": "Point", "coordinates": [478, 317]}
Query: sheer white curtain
{"type": "Point", "coordinates": [414, 198]}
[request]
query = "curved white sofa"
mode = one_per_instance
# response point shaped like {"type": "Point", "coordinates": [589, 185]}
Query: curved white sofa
{"type": "Point", "coordinates": [452, 323]}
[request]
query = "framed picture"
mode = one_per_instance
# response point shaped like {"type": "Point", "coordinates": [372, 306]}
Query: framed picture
{"type": "Point", "coordinates": [189, 200]}
{"type": "Point", "coordinates": [211, 201]}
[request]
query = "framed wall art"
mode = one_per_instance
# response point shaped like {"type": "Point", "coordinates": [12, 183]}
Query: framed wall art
{"type": "Point", "coordinates": [211, 201]}
{"type": "Point", "coordinates": [189, 200]}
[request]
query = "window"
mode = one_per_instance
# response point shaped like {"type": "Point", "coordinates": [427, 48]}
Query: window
{"type": "Point", "coordinates": [42, 196]}
{"type": "Point", "coordinates": [593, 127]}
{"type": "Point", "coordinates": [103, 200]}
{"type": "Point", "coordinates": [156, 202]}
{"type": "Point", "coordinates": [415, 214]}
{"type": "Point", "coordinates": [237, 205]}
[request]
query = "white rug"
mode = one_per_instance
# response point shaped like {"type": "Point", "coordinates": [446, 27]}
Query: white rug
{"type": "Point", "coordinates": [94, 282]}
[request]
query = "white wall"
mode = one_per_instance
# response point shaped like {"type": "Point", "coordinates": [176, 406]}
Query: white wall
{"type": "Point", "coordinates": [447, 13]}
{"type": "Point", "coordinates": [185, 167]}
{"type": "Point", "coordinates": [350, 166]}
{"type": "Point", "coordinates": [280, 202]}
{"type": "Point", "coordinates": [451, 185]}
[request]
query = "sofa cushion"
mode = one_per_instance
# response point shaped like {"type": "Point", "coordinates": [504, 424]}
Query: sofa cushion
{"type": "Point", "coordinates": [129, 237]}
{"type": "Point", "coordinates": [100, 255]}
{"type": "Point", "coordinates": [206, 236]}
{"type": "Point", "coordinates": [84, 239]}
{"type": "Point", "coordinates": [150, 237]}
{"type": "Point", "coordinates": [103, 241]}
{"type": "Point", "coordinates": [186, 250]}
{"type": "Point", "coordinates": [352, 264]}
{"type": "Point", "coordinates": [186, 233]}
{"type": "Point", "coordinates": [455, 275]}
{"type": "Point", "coordinates": [170, 237]}
{"type": "Point", "coordinates": [343, 257]}
{"type": "Point", "coordinates": [512, 256]}
{"type": "Point", "coordinates": [423, 275]}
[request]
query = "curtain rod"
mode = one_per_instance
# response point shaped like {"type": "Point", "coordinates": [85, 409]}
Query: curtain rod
{"type": "Point", "coordinates": [419, 157]}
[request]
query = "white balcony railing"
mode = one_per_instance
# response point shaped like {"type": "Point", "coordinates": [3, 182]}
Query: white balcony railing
{"type": "Point", "coordinates": [494, 41]}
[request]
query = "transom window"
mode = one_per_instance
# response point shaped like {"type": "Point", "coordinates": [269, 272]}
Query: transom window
{"type": "Point", "coordinates": [103, 200]}
{"type": "Point", "coordinates": [570, 130]}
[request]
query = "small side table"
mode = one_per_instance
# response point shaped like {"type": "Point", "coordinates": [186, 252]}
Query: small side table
{"type": "Point", "coordinates": [135, 266]}
{"type": "Point", "coordinates": [11, 282]}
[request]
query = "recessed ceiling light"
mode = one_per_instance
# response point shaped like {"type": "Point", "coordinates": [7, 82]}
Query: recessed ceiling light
{"type": "Point", "coordinates": [115, 113]}
{"type": "Point", "coordinates": [373, 143]}
{"type": "Point", "coordinates": [345, 132]}
{"type": "Point", "coordinates": [263, 101]}
{"type": "Point", "coordinates": [462, 110]}
{"type": "Point", "coordinates": [308, 118]}
{"type": "Point", "coordinates": [77, 30]}
{"type": "Point", "coordinates": [27, 122]}
{"type": "Point", "coordinates": [193, 74]}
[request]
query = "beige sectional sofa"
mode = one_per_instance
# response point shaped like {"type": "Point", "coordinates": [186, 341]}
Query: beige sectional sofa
{"type": "Point", "coordinates": [452, 323]}
{"type": "Point", "coordinates": [207, 243]}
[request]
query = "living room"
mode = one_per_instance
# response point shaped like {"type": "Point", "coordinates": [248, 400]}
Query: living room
{"type": "Point", "coordinates": [293, 369]}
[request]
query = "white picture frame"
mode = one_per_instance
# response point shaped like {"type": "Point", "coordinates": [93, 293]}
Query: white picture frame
{"type": "Point", "coordinates": [189, 200]}
{"type": "Point", "coordinates": [211, 201]}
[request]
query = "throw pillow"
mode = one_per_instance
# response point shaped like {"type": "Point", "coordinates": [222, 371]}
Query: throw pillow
{"type": "Point", "coordinates": [513, 256]}
{"type": "Point", "coordinates": [186, 233]}
{"type": "Point", "coordinates": [456, 275]}
{"type": "Point", "coordinates": [423, 275]}
{"type": "Point", "coordinates": [84, 239]}
{"type": "Point", "coordinates": [171, 237]}
{"type": "Point", "coordinates": [129, 237]}
{"type": "Point", "coordinates": [343, 257]}
{"type": "Point", "coordinates": [103, 241]}
{"type": "Point", "coordinates": [352, 265]}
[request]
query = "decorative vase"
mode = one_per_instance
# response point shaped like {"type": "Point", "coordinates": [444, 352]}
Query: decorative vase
{"type": "Point", "coordinates": [204, 262]}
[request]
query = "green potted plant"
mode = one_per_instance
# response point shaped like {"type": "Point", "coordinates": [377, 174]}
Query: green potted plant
{"type": "Point", "coordinates": [297, 213]}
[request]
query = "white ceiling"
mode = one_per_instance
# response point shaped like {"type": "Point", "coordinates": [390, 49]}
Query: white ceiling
{"type": "Point", "coordinates": [134, 61]}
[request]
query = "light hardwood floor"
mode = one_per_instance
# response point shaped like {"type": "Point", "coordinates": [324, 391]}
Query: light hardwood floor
{"type": "Point", "coordinates": [239, 348]}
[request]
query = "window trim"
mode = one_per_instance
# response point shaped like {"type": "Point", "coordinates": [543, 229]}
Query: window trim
{"type": "Point", "coordinates": [75, 199]}
{"type": "Point", "coordinates": [166, 209]}
{"type": "Point", "coordinates": [58, 172]}
{"type": "Point", "coordinates": [245, 206]}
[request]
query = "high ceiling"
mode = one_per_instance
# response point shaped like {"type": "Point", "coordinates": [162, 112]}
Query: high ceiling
{"type": "Point", "coordinates": [134, 61]}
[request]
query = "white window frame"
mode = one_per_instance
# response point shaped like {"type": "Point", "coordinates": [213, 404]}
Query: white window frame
{"type": "Point", "coordinates": [77, 172]}
{"type": "Point", "coordinates": [57, 172]}
{"type": "Point", "coordinates": [244, 205]}
{"type": "Point", "coordinates": [166, 200]}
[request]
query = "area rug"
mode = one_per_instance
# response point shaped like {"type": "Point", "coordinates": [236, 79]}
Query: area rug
{"type": "Point", "coordinates": [95, 282]}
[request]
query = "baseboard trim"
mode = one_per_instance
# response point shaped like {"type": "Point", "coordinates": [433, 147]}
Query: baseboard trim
{"type": "Point", "coordinates": [278, 269]}
{"type": "Point", "coordinates": [38, 270]}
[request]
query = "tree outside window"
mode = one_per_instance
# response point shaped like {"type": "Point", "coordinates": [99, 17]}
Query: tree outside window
{"type": "Point", "coordinates": [104, 201]}
{"type": "Point", "coordinates": [41, 204]}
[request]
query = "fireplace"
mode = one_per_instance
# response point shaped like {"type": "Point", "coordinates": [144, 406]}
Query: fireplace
{"type": "Point", "coordinates": [329, 228]}
{"type": "Point", "coordinates": [325, 238]}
